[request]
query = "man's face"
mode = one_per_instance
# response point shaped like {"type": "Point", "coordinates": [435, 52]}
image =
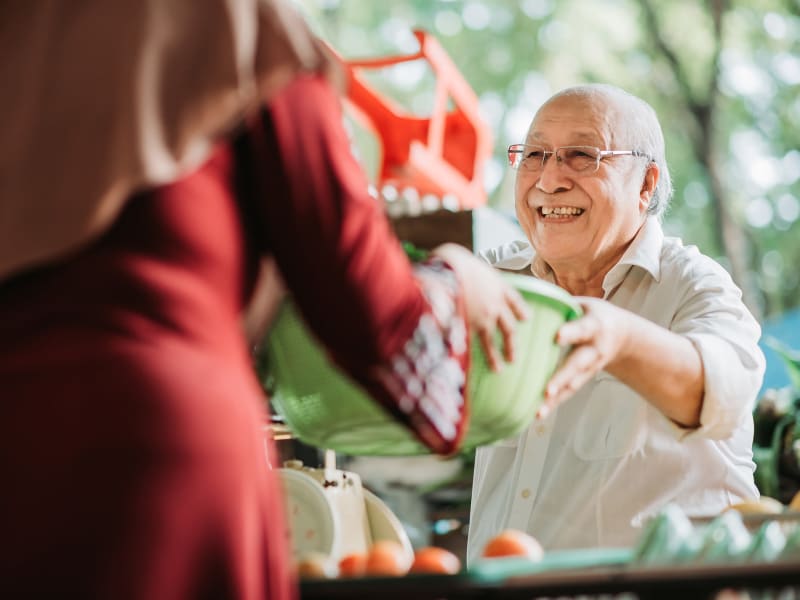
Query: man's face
{"type": "Point", "coordinates": [580, 220]}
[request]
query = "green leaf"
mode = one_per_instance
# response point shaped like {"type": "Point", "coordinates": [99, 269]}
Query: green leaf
{"type": "Point", "coordinates": [791, 359]}
{"type": "Point", "coordinates": [414, 254]}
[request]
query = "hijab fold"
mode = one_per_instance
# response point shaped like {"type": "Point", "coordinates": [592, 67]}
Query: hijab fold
{"type": "Point", "coordinates": [104, 97]}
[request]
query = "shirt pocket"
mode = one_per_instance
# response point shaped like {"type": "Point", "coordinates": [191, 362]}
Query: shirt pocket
{"type": "Point", "coordinates": [613, 423]}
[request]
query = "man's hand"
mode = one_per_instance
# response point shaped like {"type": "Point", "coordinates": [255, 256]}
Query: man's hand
{"type": "Point", "coordinates": [663, 367]}
{"type": "Point", "coordinates": [597, 339]}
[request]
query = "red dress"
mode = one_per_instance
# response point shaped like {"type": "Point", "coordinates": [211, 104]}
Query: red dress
{"type": "Point", "coordinates": [132, 457]}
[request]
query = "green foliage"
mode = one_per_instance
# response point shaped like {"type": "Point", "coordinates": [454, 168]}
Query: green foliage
{"type": "Point", "coordinates": [414, 254]}
{"type": "Point", "coordinates": [776, 449]}
{"type": "Point", "coordinates": [791, 359]}
{"type": "Point", "coordinates": [724, 84]}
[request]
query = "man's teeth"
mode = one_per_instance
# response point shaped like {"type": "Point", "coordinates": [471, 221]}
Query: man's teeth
{"type": "Point", "coordinates": [560, 211]}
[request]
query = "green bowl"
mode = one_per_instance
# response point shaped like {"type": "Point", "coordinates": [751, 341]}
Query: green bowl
{"type": "Point", "coordinates": [324, 407]}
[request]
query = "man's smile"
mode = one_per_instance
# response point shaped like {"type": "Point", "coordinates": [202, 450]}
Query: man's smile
{"type": "Point", "coordinates": [552, 213]}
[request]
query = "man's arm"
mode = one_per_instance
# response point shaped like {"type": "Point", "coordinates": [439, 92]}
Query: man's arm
{"type": "Point", "coordinates": [662, 366]}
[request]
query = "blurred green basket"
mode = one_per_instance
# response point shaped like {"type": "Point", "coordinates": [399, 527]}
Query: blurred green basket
{"type": "Point", "coordinates": [324, 407]}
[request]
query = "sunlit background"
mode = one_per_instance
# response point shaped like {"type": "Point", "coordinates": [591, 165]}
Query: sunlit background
{"type": "Point", "coordinates": [724, 76]}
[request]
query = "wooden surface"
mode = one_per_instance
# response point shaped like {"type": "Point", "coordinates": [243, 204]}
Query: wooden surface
{"type": "Point", "coordinates": [428, 230]}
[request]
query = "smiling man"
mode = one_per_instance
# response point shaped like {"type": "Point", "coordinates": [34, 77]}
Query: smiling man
{"type": "Point", "coordinates": [653, 404]}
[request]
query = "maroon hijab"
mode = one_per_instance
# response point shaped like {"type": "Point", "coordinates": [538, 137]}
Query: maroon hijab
{"type": "Point", "coordinates": [104, 97]}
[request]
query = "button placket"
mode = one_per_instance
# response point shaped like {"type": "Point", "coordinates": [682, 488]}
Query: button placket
{"type": "Point", "coordinates": [534, 451]}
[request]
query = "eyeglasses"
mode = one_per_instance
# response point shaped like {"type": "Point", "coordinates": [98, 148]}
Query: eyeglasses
{"type": "Point", "coordinates": [579, 159]}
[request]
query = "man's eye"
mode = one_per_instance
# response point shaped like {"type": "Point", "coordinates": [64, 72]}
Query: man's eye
{"type": "Point", "coordinates": [534, 154]}
{"type": "Point", "coordinates": [578, 154]}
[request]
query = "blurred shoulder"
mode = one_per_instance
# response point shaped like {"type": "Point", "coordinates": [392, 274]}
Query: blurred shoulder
{"type": "Point", "coordinates": [511, 256]}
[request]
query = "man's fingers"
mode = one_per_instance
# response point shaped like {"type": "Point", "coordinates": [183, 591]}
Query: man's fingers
{"type": "Point", "coordinates": [577, 332]}
{"type": "Point", "coordinates": [555, 394]}
{"type": "Point", "coordinates": [582, 359]}
{"type": "Point", "coordinates": [580, 366]}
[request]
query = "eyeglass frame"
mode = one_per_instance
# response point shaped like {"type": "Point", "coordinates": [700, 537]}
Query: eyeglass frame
{"type": "Point", "coordinates": [601, 154]}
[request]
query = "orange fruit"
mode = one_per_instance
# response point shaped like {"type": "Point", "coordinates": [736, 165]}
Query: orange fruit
{"type": "Point", "coordinates": [387, 558]}
{"type": "Point", "coordinates": [513, 542]}
{"type": "Point", "coordinates": [795, 503]}
{"type": "Point", "coordinates": [353, 565]}
{"type": "Point", "coordinates": [763, 505]}
{"type": "Point", "coordinates": [435, 560]}
{"type": "Point", "coordinates": [316, 565]}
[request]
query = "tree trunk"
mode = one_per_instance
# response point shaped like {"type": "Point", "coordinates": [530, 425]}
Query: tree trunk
{"type": "Point", "coordinates": [729, 234]}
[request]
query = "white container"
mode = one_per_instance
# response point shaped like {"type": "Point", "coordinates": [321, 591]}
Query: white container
{"type": "Point", "coordinates": [330, 512]}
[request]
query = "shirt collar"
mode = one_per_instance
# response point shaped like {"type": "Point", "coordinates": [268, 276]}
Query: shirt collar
{"type": "Point", "coordinates": [644, 252]}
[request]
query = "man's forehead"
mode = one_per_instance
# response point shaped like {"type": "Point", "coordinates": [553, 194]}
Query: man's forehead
{"type": "Point", "coordinates": [576, 136]}
{"type": "Point", "coordinates": [584, 119]}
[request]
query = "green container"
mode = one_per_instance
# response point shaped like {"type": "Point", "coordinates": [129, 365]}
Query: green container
{"type": "Point", "coordinates": [324, 407]}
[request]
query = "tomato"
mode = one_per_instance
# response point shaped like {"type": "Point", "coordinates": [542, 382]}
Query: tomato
{"type": "Point", "coordinates": [353, 565]}
{"type": "Point", "coordinates": [387, 558]}
{"type": "Point", "coordinates": [435, 560]}
{"type": "Point", "coordinates": [316, 565]}
{"type": "Point", "coordinates": [513, 542]}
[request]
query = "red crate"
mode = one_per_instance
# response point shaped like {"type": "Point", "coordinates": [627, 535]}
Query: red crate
{"type": "Point", "coordinates": [442, 154]}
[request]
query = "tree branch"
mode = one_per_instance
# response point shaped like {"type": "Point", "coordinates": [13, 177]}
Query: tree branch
{"type": "Point", "coordinates": [651, 21]}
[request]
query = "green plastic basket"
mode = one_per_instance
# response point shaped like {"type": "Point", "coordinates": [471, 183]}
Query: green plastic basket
{"type": "Point", "coordinates": [324, 407]}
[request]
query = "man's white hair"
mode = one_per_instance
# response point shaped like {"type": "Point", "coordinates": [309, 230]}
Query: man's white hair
{"type": "Point", "coordinates": [639, 130]}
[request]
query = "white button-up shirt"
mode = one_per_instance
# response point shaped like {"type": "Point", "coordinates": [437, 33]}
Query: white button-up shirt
{"type": "Point", "coordinates": [593, 471]}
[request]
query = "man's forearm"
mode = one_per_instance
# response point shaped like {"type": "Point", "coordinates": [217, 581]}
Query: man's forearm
{"type": "Point", "coordinates": [664, 367]}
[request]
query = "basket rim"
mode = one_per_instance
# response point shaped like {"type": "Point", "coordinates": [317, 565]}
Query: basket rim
{"type": "Point", "coordinates": [533, 286]}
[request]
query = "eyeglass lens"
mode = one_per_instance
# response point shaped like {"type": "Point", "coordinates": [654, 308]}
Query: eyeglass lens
{"type": "Point", "coordinates": [533, 158]}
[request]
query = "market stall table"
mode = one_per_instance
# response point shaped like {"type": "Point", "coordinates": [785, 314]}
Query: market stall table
{"type": "Point", "coordinates": [647, 583]}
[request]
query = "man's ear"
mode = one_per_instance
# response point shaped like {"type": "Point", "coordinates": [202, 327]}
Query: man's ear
{"type": "Point", "coordinates": [649, 184]}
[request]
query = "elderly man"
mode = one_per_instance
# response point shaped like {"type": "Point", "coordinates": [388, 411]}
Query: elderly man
{"type": "Point", "coordinates": [653, 404]}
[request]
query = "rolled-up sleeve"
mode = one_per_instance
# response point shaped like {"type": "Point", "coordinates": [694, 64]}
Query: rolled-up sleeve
{"type": "Point", "coordinates": [714, 318]}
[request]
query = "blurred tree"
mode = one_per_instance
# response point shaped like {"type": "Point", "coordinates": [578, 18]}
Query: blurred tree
{"type": "Point", "coordinates": [703, 79]}
{"type": "Point", "coordinates": [723, 76]}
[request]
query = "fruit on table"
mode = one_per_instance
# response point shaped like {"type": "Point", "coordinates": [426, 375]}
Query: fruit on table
{"type": "Point", "coordinates": [387, 558]}
{"type": "Point", "coordinates": [353, 565]}
{"type": "Point", "coordinates": [513, 542]}
{"type": "Point", "coordinates": [764, 505]}
{"type": "Point", "coordinates": [795, 503]}
{"type": "Point", "coordinates": [432, 559]}
{"type": "Point", "coordinates": [315, 565]}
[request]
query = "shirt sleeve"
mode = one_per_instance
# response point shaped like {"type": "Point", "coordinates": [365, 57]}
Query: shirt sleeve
{"type": "Point", "coordinates": [725, 333]}
{"type": "Point", "coordinates": [399, 330]}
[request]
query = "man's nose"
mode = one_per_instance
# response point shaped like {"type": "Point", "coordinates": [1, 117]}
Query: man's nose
{"type": "Point", "coordinates": [552, 177]}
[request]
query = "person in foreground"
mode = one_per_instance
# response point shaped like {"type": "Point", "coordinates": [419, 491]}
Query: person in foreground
{"type": "Point", "coordinates": [133, 222]}
{"type": "Point", "coordinates": [653, 403]}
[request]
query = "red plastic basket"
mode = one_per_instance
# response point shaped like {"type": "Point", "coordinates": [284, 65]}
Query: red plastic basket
{"type": "Point", "coordinates": [443, 154]}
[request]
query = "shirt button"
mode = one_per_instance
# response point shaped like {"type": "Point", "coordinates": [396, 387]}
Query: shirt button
{"type": "Point", "coordinates": [526, 493]}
